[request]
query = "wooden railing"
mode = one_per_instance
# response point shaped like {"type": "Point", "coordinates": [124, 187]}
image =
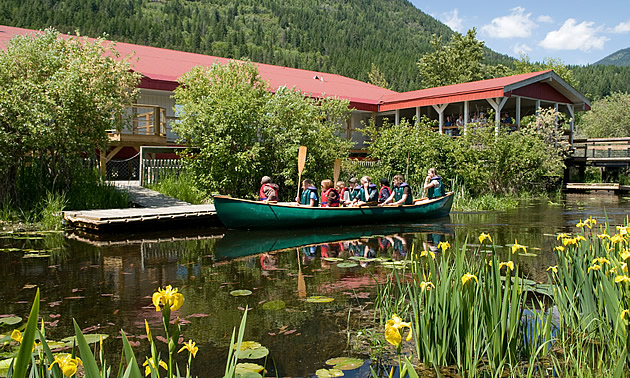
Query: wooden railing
{"type": "Point", "coordinates": [601, 148]}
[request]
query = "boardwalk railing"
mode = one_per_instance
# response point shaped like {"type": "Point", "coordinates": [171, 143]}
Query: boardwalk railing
{"type": "Point", "coordinates": [601, 148]}
{"type": "Point", "coordinates": [156, 169]}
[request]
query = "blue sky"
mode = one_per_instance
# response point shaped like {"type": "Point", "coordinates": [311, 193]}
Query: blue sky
{"type": "Point", "coordinates": [573, 31]}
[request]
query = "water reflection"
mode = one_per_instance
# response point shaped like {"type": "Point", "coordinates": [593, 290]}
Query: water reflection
{"type": "Point", "coordinates": [106, 283]}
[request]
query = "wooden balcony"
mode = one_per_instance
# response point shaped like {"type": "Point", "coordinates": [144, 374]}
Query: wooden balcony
{"type": "Point", "coordinates": [147, 128]}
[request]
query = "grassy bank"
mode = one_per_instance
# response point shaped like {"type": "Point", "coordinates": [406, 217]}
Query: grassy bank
{"type": "Point", "coordinates": [42, 209]}
{"type": "Point", "coordinates": [182, 187]}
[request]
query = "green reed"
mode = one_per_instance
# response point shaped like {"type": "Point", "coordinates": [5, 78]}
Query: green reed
{"type": "Point", "coordinates": [181, 186]}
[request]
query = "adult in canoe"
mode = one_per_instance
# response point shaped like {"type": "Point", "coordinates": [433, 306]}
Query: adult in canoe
{"type": "Point", "coordinates": [330, 196]}
{"type": "Point", "coordinates": [433, 184]}
{"type": "Point", "coordinates": [401, 195]}
{"type": "Point", "coordinates": [367, 193]}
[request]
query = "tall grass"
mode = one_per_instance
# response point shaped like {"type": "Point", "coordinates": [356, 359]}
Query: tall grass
{"type": "Point", "coordinates": [474, 313]}
{"type": "Point", "coordinates": [464, 201]}
{"type": "Point", "coordinates": [182, 187]}
{"type": "Point", "coordinates": [41, 204]}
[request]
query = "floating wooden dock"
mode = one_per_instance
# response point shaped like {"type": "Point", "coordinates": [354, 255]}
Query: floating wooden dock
{"type": "Point", "coordinates": [156, 211]}
{"type": "Point", "coordinates": [587, 187]}
{"type": "Point", "coordinates": [132, 219]}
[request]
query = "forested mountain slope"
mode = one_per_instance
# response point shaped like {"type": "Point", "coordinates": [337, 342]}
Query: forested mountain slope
{"type": "Point", "coordinates": [337, 36]}
{"type": "Point", "coordinates": [618, 58]}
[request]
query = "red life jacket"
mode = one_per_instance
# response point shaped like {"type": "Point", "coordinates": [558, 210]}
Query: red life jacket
{"type": "Point", "coordinates": [333, 202]}
{"type": "Point", "coordinates": [342, 192]}
{"type": "Point", "coordinates": [262, 192]}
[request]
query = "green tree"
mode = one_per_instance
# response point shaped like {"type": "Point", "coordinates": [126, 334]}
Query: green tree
{"type": "Point", "coordinates": [458, 61]}
{"type": "Point", "coordinates": [57, 99]}
{"type": "Point", "coordinates": [376, 77]}
{"type": "Point", "coordinates": [244, 132]}
{"type": "Point", "coordinates": [524, 65]}
{"type": "Point", "coordinates": [608, 118]}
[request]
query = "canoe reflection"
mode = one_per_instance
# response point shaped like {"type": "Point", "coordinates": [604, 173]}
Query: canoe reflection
{"type": "Point", "coordinates": [332, 242]}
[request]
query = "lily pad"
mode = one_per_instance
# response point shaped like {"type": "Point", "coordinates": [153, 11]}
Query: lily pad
{"type": "Point", "coordinates": [254, 354]}
{"type": "Point", "coordinates": [347, 265]}
{"type": "Point", "coordinates": [319, 299]}
{"type": "Point", "coordinates": [527, 254]}
{"type": "Point", "coordinates": [91, 338]}
{"type": "Point", "coordinates": [34, 255]}
{"type": "Point", "coordinates": [10, 250]}
{"type": "Point", "coordinates": [11, 320]}
{"type": "Point", "coordinates": [345, 363]}
{"type": "Point", "coordinates": [240, 293]}
{"type": "Point", "coordinates": [248, 345]}
{"type": "Point", "coordinates": [327, 373]}
{"type": "Point", "coordinates": [274, 305]}
{"type": "Point", "coordinates": [248, 367]}
{"type": "Point", "coordinates": [332, 259]}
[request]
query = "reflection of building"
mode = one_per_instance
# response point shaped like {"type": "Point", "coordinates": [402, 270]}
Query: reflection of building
{"type": "Point", "coordinates": [517, 95]}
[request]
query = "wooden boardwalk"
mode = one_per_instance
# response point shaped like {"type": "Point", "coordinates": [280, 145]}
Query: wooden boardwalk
{"type": "Point", "coordinates": [156, 211]}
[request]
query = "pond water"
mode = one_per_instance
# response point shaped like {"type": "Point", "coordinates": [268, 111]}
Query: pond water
{"type": "Point", "coordinates": [106, 284]}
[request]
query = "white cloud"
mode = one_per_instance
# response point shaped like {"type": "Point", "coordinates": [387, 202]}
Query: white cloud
{"type": "Point", "coordinates": [453, 20]}
{"type": "Point", "coordinates": [623, 27]}
{"type": "Point", "coordinates": [544, 19]}
{"type": "Point", "coordinates": [516, 24]}
{"type": "Point", "coordinates": [574, 36]}
{"type": "Point", "coordinates": [521, 49]}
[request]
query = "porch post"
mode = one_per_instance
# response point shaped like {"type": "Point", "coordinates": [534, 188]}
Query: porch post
{"type": "Point", "coordinates": [572, 113]}
{"type": "Point", "coordinates": [466, 116]}
{"type": "Point", "coordinates": [417, 115]}
{"type": "Point", "coordinates": [497, 105]}
{"type": "Point", "coordinates": [537, 106]}
{"type": "Point", "coordinates": [518, 113]}
{"type": "Point", "coordinates": [397, 117]}
{"type": "Point", "coordinates": [440, 110]}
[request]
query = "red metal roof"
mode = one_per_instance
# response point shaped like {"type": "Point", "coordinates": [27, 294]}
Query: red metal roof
{"type": "Point", "coordinates": [475, 90]}
{"type": "Point", "coordinates": [162, 67]}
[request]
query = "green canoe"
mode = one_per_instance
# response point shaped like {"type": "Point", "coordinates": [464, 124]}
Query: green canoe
{"type": "Point", "coordinates": [246, 214]}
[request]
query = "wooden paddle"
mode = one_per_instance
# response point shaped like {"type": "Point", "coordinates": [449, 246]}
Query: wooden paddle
{"type": "Point", "coordinates": [301, 162]}
{"type": "Point", "coordinates": [336, 170]}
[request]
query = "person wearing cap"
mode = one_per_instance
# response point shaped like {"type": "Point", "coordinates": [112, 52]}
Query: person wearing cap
{"type": "Point", "coordinates": [353, 191]}
{"type": "Point", "coordinates": [268, 190]}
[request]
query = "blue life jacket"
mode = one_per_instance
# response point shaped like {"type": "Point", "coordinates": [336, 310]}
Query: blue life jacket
{"type": "Point", "coordinates": [305, 199]}
{"type": "Point", "coordinates": [399, 192]}
{"type": "Point", "coordinates": [436, 191]}
{"type": "Point", "coordinates": [370, 196]}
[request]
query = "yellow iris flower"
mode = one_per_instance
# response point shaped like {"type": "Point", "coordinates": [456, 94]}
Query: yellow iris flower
{"type": "Point", "coordinates": [624, 312]}
{"type": "Point", "coordinates": [467, 277]}
{"type": "Point", "coordinates": [444, 246]}
{"type": "Point", "coordinates": [623, 230]}
{"type": "Point", "coordinates": [509, 264]}
{"type": "Point", "coordinates": [190, 347]}
{"type": "Point", "coordinates": [603, 236]}
{"type": "Point", "coordinates": [427, 253]}
{"type": "Point", "coordinates": [168, 297]}
{"type": "Point", "coordinates": [147, 368]}
{"type": "Point", "coordinates": [66, 363]}
{"type": "Point", "coordinates": [517, 246]}
{"type": "Point", "coordinates": [17, 336]}
{"type": "Point", "coordinates": [424, 285]}
{"type": "Point", "coordinates": [601, 260]}
{"type": "Point", "coordinates": [623, 278]}
{"type": "Point", "coordinates": [483, 237]}
{"type": "Point", "coordinates": [594, 267]}
{"type": "Point", "coordinates": [563, 236]}
{"type": "Point", "coordinates": [559, 248]}
{"type": "Point", "coordinates": [393, 329]}
{"type": "Point", "coordinates": [618, 238]}
{"type": "Point", "coordinates": [553, 268]}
